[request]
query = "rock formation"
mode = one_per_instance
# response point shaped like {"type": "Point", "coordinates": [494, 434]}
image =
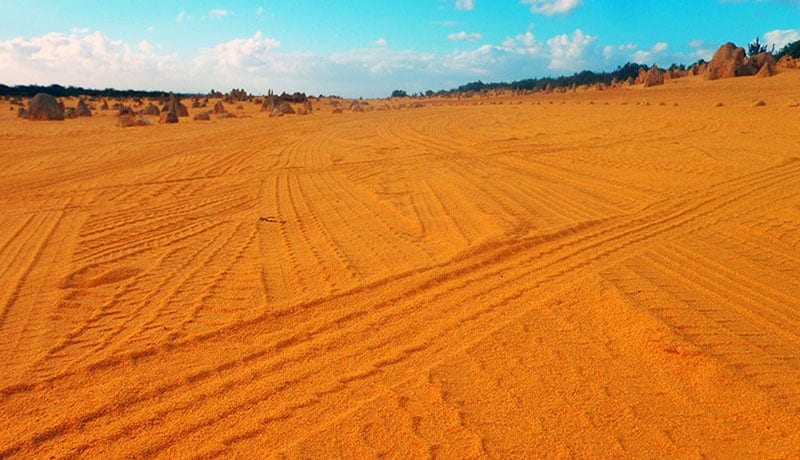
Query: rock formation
{"type": "Point", "coordinates": [728, 62]}
{"type": "Point", "coordinates": [270, 102]}
{"type": "Point", "coordinates": [653, 77]}
{"type": "Point", "coordinates": [768, 69]}
{"type": "Point", "coordinates": [787, 62]}
{"type": "Point", "coordinates": [82, 110]}
{"type": "Point", "coordinates": [125, 110]}
{"type": "Point", "coordinates": [151, 110]}
{"type": "Point", "coordinates": [168, 117]}
{"type": "Point", "coordinates": [45, 107]}
{"type": "Point", "coordinates": [127, 121]}
{"type": "Point", "coordinates": [755, 63]}
{"type": "Point", "coordinates": [174, 105]}
{"type": "Point", "coordinates": [283, 108]}
{"type": "Point", "coordinates": [356, 106]}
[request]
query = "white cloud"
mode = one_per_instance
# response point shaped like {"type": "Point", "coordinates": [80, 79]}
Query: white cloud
{"type": "Point", "coordinates": [551, 7]}
{"type": "Point", "coordinates": [373, 71]}
{"type": "Point", "coordinates": [614, 52]}
{"type": "Point", "coordinates": [567, 53]}
{"type": "Point", "coordinates": [150, 28]}
{"type": "Point", "coordinates": [259, 11]}
{"type": "Point", "coordinates": [91, 60]}
{"type": "Point", "coordinates": [465, 4]}
{"type": "Point", "coordinates": [181, 16]}
{"type": "Point", "coordinates": [651, 55]}
{"type": "Point", "coordinates": [79, 30]}
{"type": "Point", "coordinates": [241, 52]}
{"type": "Point", "coordinates": [145, 47]}
{"type": "Point", "coordinates": [258, 63]}
{"type": "Point", "coordinates": [700, 50]}
{"type": "Point", "coordinates": [218, 13]}
{"type": "Point", "coordinates": [464, 36]}
{"type": "Point", "coordinates": [381, 42]}
{"type": "Point", "coordinates": [781, 38]}
{"type": "Point", "coordinates": [522, 44]}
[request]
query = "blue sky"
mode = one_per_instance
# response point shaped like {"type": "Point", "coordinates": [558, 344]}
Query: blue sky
{"type": "Point", "coordinates": [363, 47]}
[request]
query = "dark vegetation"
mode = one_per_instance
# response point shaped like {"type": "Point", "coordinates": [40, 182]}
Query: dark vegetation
{"type": "Point", "coordinates": [792, 49]}
{"type": "Point", "coordinates": [74, 91]}
{"type": "Point", "coordinates": [587, 77]}
{"type": "Point", "coordinates": [756, 47]}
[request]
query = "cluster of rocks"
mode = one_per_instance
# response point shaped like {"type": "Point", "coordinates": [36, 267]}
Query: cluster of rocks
{"type": "Point", "coordinates": [44, 107]}
{"type": "Point", "coordinates": [278, 107]}
{"type": "Point", "coordinates": [175, 106]}
{"type": "Point", "coordinates": [731, 61]}
{"type": "Point", "coordinates": [218, 110]}
{"type": "Point", "coordinates": [236, 95]}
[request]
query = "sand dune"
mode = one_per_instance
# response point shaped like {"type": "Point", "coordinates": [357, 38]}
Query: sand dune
{"type": "Point", "coordinates": [505, 277]}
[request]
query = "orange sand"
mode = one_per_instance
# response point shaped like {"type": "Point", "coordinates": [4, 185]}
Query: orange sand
{"type": "Point", "coordinates": [579, 274]}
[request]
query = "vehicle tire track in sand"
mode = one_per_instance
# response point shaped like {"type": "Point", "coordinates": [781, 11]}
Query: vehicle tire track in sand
{"type": "Point", "coordinates": [405, 282]}
{"type": "Point", "coordinates": [657, 222]}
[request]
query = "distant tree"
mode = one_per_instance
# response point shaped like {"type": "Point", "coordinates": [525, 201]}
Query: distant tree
{"type": "Point", "coordinates": [792, 49]}
{"type": "Point", "coordinates": [429, 93]}
{"type": "Point", "coordinates": [756, 47]}
{"type": "Point", "coordinates": [399, 93]}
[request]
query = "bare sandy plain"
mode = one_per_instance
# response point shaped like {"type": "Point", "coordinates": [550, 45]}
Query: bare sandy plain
{"type": "Point", "coordinates": [599, 274]}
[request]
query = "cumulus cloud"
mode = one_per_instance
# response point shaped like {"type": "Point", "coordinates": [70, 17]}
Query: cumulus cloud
{"type": "Point", "coordinates": [86, 60]}
{"type": "Point", "coordinates": [567, 53]}
{"type": "Point", "coordinates": [652, 54]}
{"type": "Point", "coordinates": [145, 47]}
{"type": "Point", "coordinates": [372, 71]}
{"type": "Point", "coordinates": [659, 53]}
{"type": "Point", "coordinates": [465, 4]}
{"type": "Point", "coordinates": [781, 38]}
{"type": "Point", "coordinates": [615, 53]}
{"type": "Point", "coordinates": [259, 62]}
{"type": "Point", "coordinates": [522, 44]}
{"type": "Point", "coordinates": [551, 7]}
{"type": "Point", "coordinates": [464, 36]}
{"type": "Point", "coordinates": [241, 52]}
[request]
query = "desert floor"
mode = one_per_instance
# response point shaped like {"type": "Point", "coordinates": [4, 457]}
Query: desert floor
{"type": "Point", "coordinates": [595, 273]}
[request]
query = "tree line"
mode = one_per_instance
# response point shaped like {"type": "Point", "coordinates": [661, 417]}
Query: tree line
{"type": "Point", "coordinates": [588, 77]}
{"type": "Point", "coordinates": [74, 91]}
